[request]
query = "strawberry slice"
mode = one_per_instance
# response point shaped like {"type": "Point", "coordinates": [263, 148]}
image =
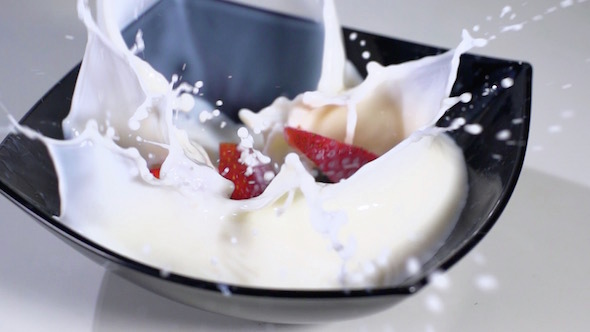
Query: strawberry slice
{"type": "Point", "coordinates": [335, 159]}
{"type": "Point", "coordinates": [230, 167]}
{"type": "Point", "coordinates": [155, 172]}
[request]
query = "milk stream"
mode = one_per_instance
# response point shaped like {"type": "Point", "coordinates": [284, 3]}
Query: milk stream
{"type": "Point", "coordinates": [299, 234]}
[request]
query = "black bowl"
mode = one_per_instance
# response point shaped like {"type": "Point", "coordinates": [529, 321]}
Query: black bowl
{"type": "Point", "coordinates": [28, 178]}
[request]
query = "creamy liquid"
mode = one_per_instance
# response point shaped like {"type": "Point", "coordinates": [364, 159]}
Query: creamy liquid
{"type": "Point", "coordinates": [299, 234]}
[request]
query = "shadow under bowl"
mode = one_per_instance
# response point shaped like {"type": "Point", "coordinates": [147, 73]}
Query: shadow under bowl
{"type": "Point", "coordinates": [28, 178]}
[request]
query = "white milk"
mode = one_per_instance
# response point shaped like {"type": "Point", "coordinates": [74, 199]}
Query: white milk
{"type": "Point", "coordinates": [298, 234]}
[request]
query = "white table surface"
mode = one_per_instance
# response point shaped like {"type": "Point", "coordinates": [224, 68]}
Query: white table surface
{"type": "Point", "coordinates": [534, 258]}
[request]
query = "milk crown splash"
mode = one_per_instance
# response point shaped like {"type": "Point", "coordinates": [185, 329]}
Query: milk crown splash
{"type": "Point", "coordinates": [123, 120]}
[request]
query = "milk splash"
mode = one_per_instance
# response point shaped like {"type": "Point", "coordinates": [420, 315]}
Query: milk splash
{"type": "Point", "coordinates": [361, 231]}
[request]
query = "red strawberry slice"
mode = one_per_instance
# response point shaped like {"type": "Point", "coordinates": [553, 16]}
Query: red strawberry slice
{"type": "Point", "coordinates": [230, 167]}
{"type": "Point", "coordinates": [335, 159]}
{"type": "Point", "coordinates": [155, 172]}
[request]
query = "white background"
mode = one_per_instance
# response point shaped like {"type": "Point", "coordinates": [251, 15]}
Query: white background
{"type": "Point", "coordinates": [534, 261]}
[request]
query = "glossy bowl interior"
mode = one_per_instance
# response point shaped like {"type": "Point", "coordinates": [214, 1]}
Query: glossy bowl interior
{"type": "Point", "coordinates": [28, 178]}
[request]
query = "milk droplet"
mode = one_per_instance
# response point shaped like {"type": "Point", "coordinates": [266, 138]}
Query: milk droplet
{"type": "Point", "coordinates": [224, 289]}
{"type": "Point", "coordinates": [413, 265]}
{"type": "Point", "coordinates": [479, 258]}
{"type": "Point", "coordinates": [219, 103]}
{"type": "Point", "coordinates": [205, 116]}
{"type": "Point", "coordinates": [457, 123]}
{"type": "Point", "coordinates": [554, 129]}
{"type": "Point", "coordinates": [503, 135]}
{"type": "Point", "coordinates": [507, 82]}
{"type": "Point", "coordinates": [185, 102]}
{"type": "Point", "coordinates": [38, 72]}
{"type": "Point", "coordinates": [466, 97]}
{"type": "Point", "coordinates": [473, 129]}
{"type": "Point", "coordinates": [434, 303]}
{"type": "Point", "coordinates": [268, 176]}
{"type": "Point", "coordinates": [366, 55]}
{"type": "Point", "coordinates": [566, 3]}
{"type": "Point", "coordinates": [476, 28]}
{"type": "Point", "coordinates": [505, 10]}
{"type": "Point", "coordinates": [567, 114]}
{"type": "Point", "coordinates": [353, 36]}
{"type": "Point", "coordinates": [139, 45]}
{"type": "Point", "coordinates": [486, 282]}
{"type": "Point", "coordinates": [440, 280]}
{"type": "Point", "coordinates": [243, 132]}
{"type": "Point", "coordinates": [480, 42]}
{"type": "Point", "coordinates": [164, 273]}
{"type": "Point", "coordinates": [363, 43]}
{"type": "Point", "coordinates": [514, 27]}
